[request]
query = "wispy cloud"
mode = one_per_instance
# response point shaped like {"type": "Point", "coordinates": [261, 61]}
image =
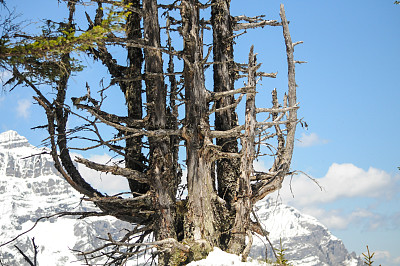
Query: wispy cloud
{"type": "Point", "coordinates": [332, 219]}
{"type": "Point", "coordinates": [385, 258]}
{"type": "Point", "coordinates": [382, 254]}
{"type": "Point", "coordinates": [23, 108]}
{"type": "Point", "coordinates": [396, 260]}
{"type": "Point", "coordinates": [338, 218]}
{"type": "Point", "coordinates": [310, 140]}
{"type": "Point", "coordinates": [261, 165]}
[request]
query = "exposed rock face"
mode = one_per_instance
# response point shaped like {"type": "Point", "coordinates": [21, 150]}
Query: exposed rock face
{"type": "Point", "coordinates": [31, 188]}
{"type": "Point", "coordinates": [20, 159]}
{"type": "Point", "coordinates": [307, 241]}
{"type": "Point", "coordinates": [11, 140]}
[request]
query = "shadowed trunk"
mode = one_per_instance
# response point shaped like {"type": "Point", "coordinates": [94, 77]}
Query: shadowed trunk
{"type": "Point", "coordinates": [228, 169]}
{"type": "Point", "coordinates": [133, 97]}
{"type": "Point", "coordinates": [162, 177]}
{"type": "Point", "coordinates": [216, 211]}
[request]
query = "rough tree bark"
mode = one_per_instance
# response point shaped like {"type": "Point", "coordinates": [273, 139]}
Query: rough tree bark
{"type": "Point", "coordinates": [243, 205]}
{"type": "Point", "coordinates": [132, 89]}
{"type": "Point", "coordinates": [215, 212]}
{"type": "Point", "coordinates": [161, 174]}
{"type": "Point", "coordinates": [228, 169]}
{"type": "Point", "coordinates": [200, 219]}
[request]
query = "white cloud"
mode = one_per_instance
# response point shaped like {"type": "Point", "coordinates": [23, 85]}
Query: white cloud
{"type": "Point", "coordinates": [396, 260]}
{"type": "Point", "coordinates": [5, 76]}
{"type": "Point", "coordinates": [341, 181]}
{"type": "Point", "coordinates": [331, 219]}
{"type": "Point", "coordinates": [23, 107]}
{"type": "Point", "coordinates": [310, 140]}
{"type": "Point", "coordinates": [261, 166]}
{"type": "Point", "coordinates": [384, 257]}
{"type": "Point", "coordinates": [107, 183]}
{"type": "Point", "coordinates": [338, 218]}
{"type": "Point", "coordinates": [381, 254]}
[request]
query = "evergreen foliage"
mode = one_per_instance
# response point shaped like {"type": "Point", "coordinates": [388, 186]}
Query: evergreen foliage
{"type": "Point", "coordinates": [281, 260]}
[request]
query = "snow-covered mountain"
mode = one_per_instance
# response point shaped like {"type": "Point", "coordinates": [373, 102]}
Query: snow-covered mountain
{"type": "Point", "coordinates": [30, 188]}
{"type": "Point", "coordinates": [306, 240]}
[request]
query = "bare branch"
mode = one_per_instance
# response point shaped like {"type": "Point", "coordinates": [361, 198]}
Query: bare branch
{"type": "Point", "coordinates": [291, 126]}
{"type": "Point", "coordinates": [258, 228]}
{"type": "Point", "coordinates": [115, 170]}
{"type": "Point", "coordinates": [254, 22]}
{"type": "Point", "coordinates": [104, 116]}
{"type": "Point", "coordinates": [60, 214]}
{"type": "Point", "coordinates": [234, 132]}
{"type": "Point", "coordinates": [268, 75]}
{"type": "Point", "coordinates": [246, 250]}
{"type": "Point", "coordinates": [296, 43]}
{"type": "Point", "coordinates": [217, 95]}
{"type": "Point", "coordinates": [233, 105]}
{"type": "Point", "coordinates": [26, 258]}
{"type": "Point", "coordinates": [277, 110]}
{"type": "Point", "coordinates": [283, 160]}
{"type": "Point", "coordinates": [164, 242]}
{"type": "Point", "coordinates": [273, 123]}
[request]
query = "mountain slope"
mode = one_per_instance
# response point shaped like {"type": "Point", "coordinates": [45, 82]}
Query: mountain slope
{"type": "Point", "coordinates": [307, 241]}
{"type": "Point", "coordinates": [30, 188]}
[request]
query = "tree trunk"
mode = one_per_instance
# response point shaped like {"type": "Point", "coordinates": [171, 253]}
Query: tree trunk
{"type": "Point", "coordinates": [185, 230]}
{"type": "Point", "coordinates": [243, 205]}
{"type": "Point", "coordinates": [200, 220]}
{"type": "Point", "coordinates": [163, 179]}
{"type": "Point", "coordinates": [228, 169]}
{"type": "Point", "coordinates": [133, 97]}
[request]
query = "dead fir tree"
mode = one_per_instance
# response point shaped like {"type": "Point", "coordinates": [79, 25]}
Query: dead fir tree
{"type": "Point", "coordinates": [168, 108]}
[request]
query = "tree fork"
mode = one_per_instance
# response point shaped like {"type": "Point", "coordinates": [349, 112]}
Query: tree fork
{"type": "Point", "coordinates": [185, 230]}
{"type": "Point", "coordinates": [281, 165]}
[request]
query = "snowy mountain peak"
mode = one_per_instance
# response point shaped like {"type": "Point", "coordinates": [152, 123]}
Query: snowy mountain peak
{"type": "Point", "coordinates": [307, 241]}
{"type": "Point", "coordinates": [30, 187]}
{"type": "Point", "coordinates": [11, 139]}
{"type": "Point", "coordinates": [20, 159]}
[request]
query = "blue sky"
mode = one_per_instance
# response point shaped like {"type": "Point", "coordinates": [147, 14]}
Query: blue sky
{"type": "Point", "coordinates": [348, 92]}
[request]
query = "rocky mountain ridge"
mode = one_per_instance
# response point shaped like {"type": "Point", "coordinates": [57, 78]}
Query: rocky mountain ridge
{"type": "Point", "coordinates": [306, 240]}
{"type": "Point", "coordinates": [31, 188]}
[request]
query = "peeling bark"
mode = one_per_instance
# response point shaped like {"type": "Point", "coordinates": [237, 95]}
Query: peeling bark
{"type": "Point", "coordinates": [200, 218]}
{"type": "Point", "coordinates": [243, 204]}
{"type": "Point", "coordinates": [283, 160]}
{"type": "Point", "coordinates": [162, 175]}
{"type": "Point", "coordinates": [217, 209]}
{"type": "Point", "coordinates": [228, 169]}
